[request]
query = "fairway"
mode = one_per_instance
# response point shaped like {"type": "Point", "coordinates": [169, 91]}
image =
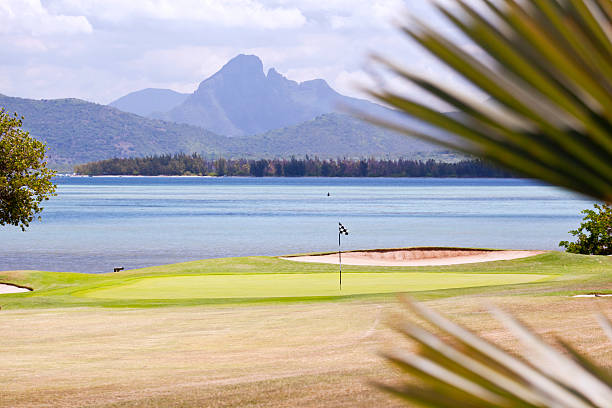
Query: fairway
{"type": "Point", "coordinates": [298, 285]}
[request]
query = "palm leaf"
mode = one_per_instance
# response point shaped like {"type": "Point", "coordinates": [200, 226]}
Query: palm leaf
{"type": "Point", "coordinates": [549, 115]}
{"type": "Point", "coordinates": [468, 370]}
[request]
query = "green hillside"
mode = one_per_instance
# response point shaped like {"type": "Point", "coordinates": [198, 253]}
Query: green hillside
{"type": "Point", "coordinates": [77, 131]}
{"type": "Point", "coordinates": [339, 135]}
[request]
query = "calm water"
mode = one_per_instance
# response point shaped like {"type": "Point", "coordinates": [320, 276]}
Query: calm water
{"type": "Point", "coordinates": [97, 223]}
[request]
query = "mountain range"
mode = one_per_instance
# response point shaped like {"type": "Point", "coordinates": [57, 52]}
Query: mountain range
{"type": "Point", "coordinates": [240, 111]}
{"type": "Point", "coordinates": [241, 100]}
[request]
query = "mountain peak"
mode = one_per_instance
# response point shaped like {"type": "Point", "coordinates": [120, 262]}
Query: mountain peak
{"type": "Point", "coordinates": [243, 64]}
{"type": "Point", "coordinates": [318, 84]}
{"type": "Point", "coordinates": [273, 73]}
{"type": "Point", "coordinates": [241, 99]}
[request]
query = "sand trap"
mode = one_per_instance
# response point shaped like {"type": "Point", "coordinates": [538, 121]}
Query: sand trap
{"type": "Point", "coordinates": [592, 295]}
{"type": "Point", "coordinates": [5, 288]}
{"type": "Point", "coordinates": [416, 256]}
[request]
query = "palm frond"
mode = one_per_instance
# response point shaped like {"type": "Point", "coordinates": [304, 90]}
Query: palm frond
{"type": "Point", "coordinates": [468, 370]}
{"type": "Point", "coordinates": [549, 115]}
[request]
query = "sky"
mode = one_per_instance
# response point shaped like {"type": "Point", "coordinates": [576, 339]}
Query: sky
{"type": "Point", "coordinates": [100, 50]}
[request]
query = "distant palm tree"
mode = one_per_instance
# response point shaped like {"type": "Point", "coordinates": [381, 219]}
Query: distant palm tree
{"type": "Point", "coordinates": [549, 78]}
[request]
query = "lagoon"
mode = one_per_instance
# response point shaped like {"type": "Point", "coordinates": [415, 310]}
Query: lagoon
{"type": "Point", "coordinates": [97, 223]}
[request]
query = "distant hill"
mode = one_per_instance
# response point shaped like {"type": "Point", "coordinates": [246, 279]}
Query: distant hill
{"type": "Point", "coordinates": [149, 101]}
{"type": "Point", "coordinates": [241, 100]}
{"type": "Point", "coordinates": [77, 131]}
{"type": "Point", "coordinates": [338, 135]}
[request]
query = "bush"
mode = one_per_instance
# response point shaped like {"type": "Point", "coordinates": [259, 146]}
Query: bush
{"type": "Point", "coordinates": [25, 180]}
{"type": "Point", "coordinates": [594, 234]}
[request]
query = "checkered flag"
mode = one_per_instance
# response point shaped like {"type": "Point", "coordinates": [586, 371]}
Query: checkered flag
{"type": "Point", "coordinates": [341, 229]}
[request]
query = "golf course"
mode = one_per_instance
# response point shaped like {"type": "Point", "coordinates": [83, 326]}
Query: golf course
{"type": "Point", "coordinates": [265, 331]}
{"type": "Point", "coordinates": [261, 279]}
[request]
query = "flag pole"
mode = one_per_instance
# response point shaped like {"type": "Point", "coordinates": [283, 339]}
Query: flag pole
{"type": "Point", "coordinates": [341, 230]}
{"type": "Point", "coordinates": [340, 258]}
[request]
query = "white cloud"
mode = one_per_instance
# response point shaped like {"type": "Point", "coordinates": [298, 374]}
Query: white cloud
{"type": "Point", "coordinates": [226, 13]}
{"type": "Point", "coordinates": [30, 17]}
{"type": "Point", "coordinates": [50, 49]}
{"type": "Point", "coordinates": [350, 82]}
{"type": "Point", "coordinates": [188, 63]}
{"type": "Point", "coordinates": [350, 14]}
{"type": "Point", "coordinates": [29, 44]}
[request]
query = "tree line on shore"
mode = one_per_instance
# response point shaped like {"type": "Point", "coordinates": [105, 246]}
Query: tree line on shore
{"type": "Point", "coordinates": [194, 164]}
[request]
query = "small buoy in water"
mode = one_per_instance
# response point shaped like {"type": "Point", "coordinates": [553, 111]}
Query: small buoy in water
{"type": "Point", "coordinates": [328, 194]}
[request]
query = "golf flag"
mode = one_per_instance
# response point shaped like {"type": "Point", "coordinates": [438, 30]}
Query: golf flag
{"type": "Point", "coordinates": [341, 229]}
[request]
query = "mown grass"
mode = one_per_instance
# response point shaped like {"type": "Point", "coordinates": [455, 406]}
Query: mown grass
{"type": "Point", "coordinates": [298, 285]}
{"type": "Point", "coordinates": [149, 287]}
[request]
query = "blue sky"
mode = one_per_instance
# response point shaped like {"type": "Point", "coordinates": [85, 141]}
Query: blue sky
{"type": "Point", "coordinates": [99, 50]}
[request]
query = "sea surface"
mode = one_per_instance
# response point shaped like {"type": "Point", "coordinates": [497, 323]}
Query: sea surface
{"type": "Point", "coordinates": [97, 223]}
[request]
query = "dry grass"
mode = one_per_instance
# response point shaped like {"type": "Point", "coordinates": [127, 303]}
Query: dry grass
{"type": "Point", "coordinates": [284, 355]}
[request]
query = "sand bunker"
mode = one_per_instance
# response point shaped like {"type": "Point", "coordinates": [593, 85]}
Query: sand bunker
{"type": "Point", "coordinates": [416, 256]}
{"type": "Point", "coordinates": [592, 295]}
{"type": "Point", "coordinates": [5, 288]}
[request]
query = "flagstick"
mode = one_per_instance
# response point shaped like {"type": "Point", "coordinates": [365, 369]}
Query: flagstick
{"type": "Point", "coordinates": [341, 230]}
{"type": "Point", "coordinates": [340, 259]}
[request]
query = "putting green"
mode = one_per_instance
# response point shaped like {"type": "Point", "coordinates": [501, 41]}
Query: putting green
{"type": "Point", "coordinates": [297, 285]}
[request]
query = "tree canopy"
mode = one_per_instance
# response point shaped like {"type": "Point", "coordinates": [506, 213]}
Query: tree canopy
{"type": "Point", "coordinates": [594, 236]}
{"type": "Point", "coordinates": [25, 180]}
{"type": "Point", "coordinates": [194, 164]}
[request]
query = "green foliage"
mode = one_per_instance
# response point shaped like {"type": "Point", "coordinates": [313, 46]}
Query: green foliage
{"type": "Point", "coordinates": [594, 234]}
{"type": "Point", "coordinates": [464, 370]}
{"type": "Point", "coordinates": [549, 80]}
{"type": "Point", "coordinates": [25, 180]}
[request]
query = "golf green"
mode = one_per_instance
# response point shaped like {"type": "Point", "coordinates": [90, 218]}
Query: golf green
{"type": "Point", "coordinates": [297, 285]}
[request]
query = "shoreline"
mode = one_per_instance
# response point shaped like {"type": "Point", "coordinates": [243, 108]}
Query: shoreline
{"type": "Point", "coordinates": [292, 177]}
